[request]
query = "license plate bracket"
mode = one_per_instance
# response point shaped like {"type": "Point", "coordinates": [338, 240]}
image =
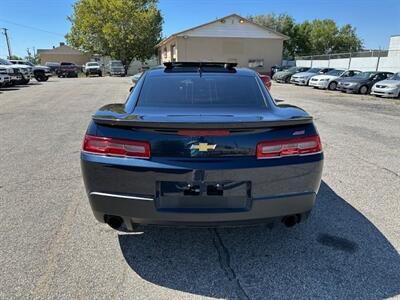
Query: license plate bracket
{"type": "Point", "coordinates": [203, 196]}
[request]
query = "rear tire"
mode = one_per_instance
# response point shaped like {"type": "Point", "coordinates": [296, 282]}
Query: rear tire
{"type": "Point", "coordinates": [363, 90]}
{"type": "Point", "coordinates": [40, 77]}
{"type": "Point", "coordinates": [332, 86]}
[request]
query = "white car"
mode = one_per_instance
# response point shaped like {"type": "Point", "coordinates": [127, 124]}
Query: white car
{"type": "Point", "coordinates": [387, 88]}
{"type": "Point", "coordinates": [303, 78]}
{"type": "Point", "coordinates": [24, 72]}
{"type": "Point", "coordinates": [329, 80]}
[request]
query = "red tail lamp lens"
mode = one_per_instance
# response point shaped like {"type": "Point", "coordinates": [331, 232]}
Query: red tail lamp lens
{"type": "Point", "coordinates": [116, 147]}
{"type": "Point", "coordinates": [295, 146]}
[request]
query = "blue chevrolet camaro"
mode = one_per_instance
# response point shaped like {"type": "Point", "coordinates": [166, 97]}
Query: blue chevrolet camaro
{"type": "Point", "coordinates": [201, 144]}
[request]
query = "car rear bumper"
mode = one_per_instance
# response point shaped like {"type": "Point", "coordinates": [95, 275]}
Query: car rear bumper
{"type": "Point", "coordinates": [129, 188]}
{"type": "Point", "coordinates": [141, 210]}
{"type": "Point", "coordinates": [117, 73]}
{"type": "Point", "coordinates": [93, 71]}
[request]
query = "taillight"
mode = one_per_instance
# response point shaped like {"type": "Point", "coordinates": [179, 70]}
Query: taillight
{"type": "Point", "coordinates": [116, 147]}
{"type": "Point", "coordinates": [288, 147]}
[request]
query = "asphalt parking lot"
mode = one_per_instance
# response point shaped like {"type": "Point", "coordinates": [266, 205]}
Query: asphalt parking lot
{"type": "Point", "coordinates": [52, 247]}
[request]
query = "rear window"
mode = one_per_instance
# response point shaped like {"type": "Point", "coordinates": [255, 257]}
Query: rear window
{"type": "Point", "coordinates": [196, 91]}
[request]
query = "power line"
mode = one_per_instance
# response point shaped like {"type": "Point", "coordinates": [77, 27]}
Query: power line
{"type": "Point", "coordinates": [33, 28]}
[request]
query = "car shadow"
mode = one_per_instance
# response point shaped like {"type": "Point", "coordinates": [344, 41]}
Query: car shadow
{"type": "Point", "coordinates": [9, 89]}
{"type": "Point", "coordinates": [336, 253]}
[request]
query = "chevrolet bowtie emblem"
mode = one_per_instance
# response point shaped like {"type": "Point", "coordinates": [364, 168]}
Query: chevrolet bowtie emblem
{"type": "Point", "coordinates": [203, 147]}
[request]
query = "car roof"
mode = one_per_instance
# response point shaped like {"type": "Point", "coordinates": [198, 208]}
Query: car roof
{"type": "Point", "coordinates": [162, 70]}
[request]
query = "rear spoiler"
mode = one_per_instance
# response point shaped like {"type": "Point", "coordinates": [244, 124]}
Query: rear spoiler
{"type": "Point", "coordinates": [137, 123]}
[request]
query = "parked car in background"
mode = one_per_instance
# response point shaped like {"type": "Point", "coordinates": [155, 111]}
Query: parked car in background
{"type": "Point", "coordinates": [362, 82]}
{"type": "Point", "coordinates": [10, 74]}
{"type": "Point", "coordinates": [5, 78]}
{"type": "Point", "coordinates": [54, 66]}
{"type": "Point", "coordinates": [92, 68]}
{"type": "Point", "coordinates": [284, 76]}
{"type": "Point", "coordinates": [387, 88]}
{"type": "Point", "coordinates": [329, 79]}
{"type": "Point", "coordinates": [23, 73]}
{"type": "Point", "coordinates": [303, 78]}
{"type": "Point", "coordinates": [266, 80]}
{"type": "Point", "coordinates": [41, 73]}
{"type": "Point", "coordinates": [200, 144]}
{"type": "Point", "coordinates": [67, 69]}
{"type": "Point", "coordinates": [115, 67]}
{"type": "Point", "coordinates": [276, 68]}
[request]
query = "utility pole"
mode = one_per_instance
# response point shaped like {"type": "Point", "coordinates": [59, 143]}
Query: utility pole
{"type": "Point", "coordinates": [8, 42]}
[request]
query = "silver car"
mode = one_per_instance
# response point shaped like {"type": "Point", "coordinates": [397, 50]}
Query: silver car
{"type": "Point", "coordinates": [387, 88]}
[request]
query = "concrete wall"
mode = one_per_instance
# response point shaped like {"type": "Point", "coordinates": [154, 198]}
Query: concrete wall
{"type": "Point", "coordinates": [303, 63]}
{"type": "Point", "coordinates": [391, 63]}
{"type": "Point", "coordinates": [238, 50]}
{"type": "Point", "coordinates": [78, 59]}
{"type": "Point", "coordinates": [340, 63]}
{"type": "Point", "coordinates": [165, 51]}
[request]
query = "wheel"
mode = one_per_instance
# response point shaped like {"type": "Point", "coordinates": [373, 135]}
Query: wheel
{"type": "Point", "coordinates": [46, 78]}
{"type": "Point", "coordinates": [40, 77]}
{"type": "Point", "coordinates": [332, 86]}
{"type": "Point", "coordinates": [100, 74]}
{"type": "Point", "coordinates": [287, 80]}
{"type": "Point", "coordinates": [363, 90]}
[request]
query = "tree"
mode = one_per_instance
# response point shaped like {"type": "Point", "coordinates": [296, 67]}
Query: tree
{"type": "Point", "coordinates": [282, 23]}
{"type": "Point", "coordinates": [122, 29]}
{"type": "Point", "coordinates": [311, 38]}
{"type": "Point", "coordinates": [15, 57]}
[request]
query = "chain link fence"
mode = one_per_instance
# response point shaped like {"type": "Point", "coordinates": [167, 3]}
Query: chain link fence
{"type": "Point", "coordinates": [372, 60]}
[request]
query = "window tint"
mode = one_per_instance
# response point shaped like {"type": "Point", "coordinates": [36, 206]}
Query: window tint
{"type": "Point", "coordinates": [193, 90]}
{"type": "Point", "coordinates": [335, 72]}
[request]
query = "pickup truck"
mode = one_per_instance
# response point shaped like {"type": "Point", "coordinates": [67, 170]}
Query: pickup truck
{"type": "Point", "coordinates": [92, 68]}
{"type": "Point", "coordinates": [67, 69]}
{"type": "Point", "coordinates": [19, 74]}
{"type": "Point", "coordinates": [5, 78]}
{"type": "Point", "coordinates": [41, 73]}
{"type": "Point", "coordinates": [115, 67]}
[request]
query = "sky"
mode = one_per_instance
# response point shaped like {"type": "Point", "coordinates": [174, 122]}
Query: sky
{"type": "Point", "coordinates": [43, 23]}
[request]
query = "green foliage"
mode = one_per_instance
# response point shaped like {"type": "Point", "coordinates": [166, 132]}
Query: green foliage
{"type": "Point", "coordinates": [122, 29]}
{"type": "Point", "coordinates": [15, 57]}
{"type": "Point", "coordinates": [310, 38]}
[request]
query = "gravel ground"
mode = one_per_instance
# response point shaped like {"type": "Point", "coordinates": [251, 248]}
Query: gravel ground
{"type": "Point", "coordinates": [52, 247]}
